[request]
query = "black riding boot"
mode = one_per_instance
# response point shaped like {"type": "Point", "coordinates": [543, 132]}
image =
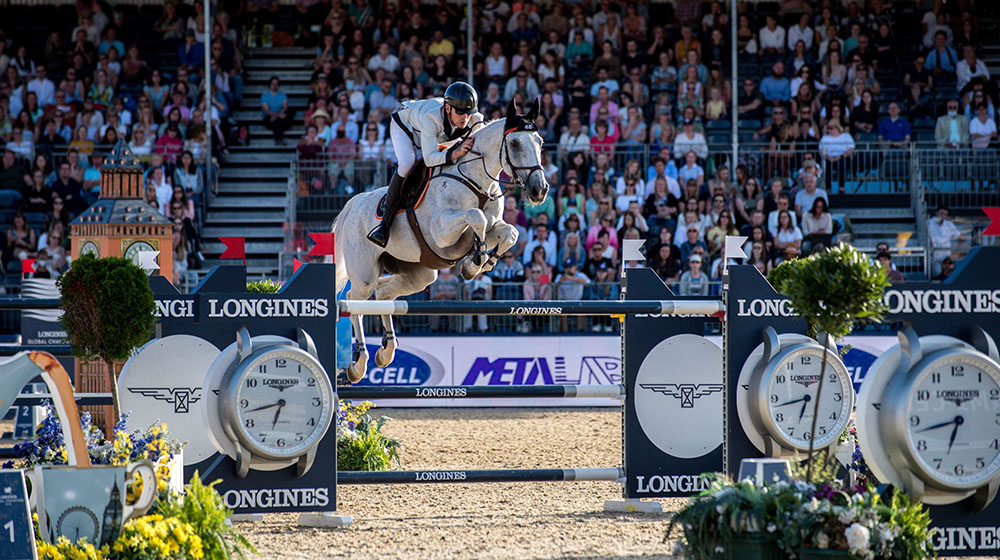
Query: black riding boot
{"type": "Point", "coordinates": [380, 235]}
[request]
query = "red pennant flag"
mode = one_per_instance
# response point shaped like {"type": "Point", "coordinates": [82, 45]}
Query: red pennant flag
{"type": "Point", "coordinates": [994, 227]}
{"type": "Point", "coordinates": [296, 263]}
{"type": "Point", "coordinates": [27, 267]}
{"type": "Point", "coordinates": [324, 244]}
{"type": "Point", "coordinates": [235, 248]}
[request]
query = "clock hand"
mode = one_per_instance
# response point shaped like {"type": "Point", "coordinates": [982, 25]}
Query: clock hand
{"type": "Point", "coordinates": [802, 411]}
{"type": "Point", "coordinates": [954, 432]}
{"type": "Point", "coordinates": [806, 398]}
{"type": "Point", "coordinates": [281, 404]}
{"type": "Point", "coordinates": [936, 426]}
{"type": "Point", "coordinates": [265, 407]}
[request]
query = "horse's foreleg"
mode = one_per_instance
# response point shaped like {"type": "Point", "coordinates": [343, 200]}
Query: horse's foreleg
{"type": "Point", "coordinates": [411, 281]}
{"type": "Point", "coordinates": [359, 363]}
{"type": "Point", "coordinates": [501, 237]}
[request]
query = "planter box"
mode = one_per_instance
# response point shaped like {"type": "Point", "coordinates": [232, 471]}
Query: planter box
{"type": "Point", "coordinates": [749, 548]}
{"type": "Point", "coordinates": [821, 554]}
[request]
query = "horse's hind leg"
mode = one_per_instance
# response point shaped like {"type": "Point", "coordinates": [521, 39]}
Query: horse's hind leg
{"type": "Point", "coordinates": [499, 238]}
{"type": "Point", "coordinates": [410, 281]}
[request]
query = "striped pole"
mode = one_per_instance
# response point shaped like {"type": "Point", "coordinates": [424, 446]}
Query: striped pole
{"type": "Point", "coordinates": [7, 304]}
{"type": "Point", "coordinates": [469, 476]}
{"type": "Point", "coordinates": [483, 392]}
{"type": "Point", "coordinates": [54, 349]}
{"type": "Point", "coordinates": [548, 308]}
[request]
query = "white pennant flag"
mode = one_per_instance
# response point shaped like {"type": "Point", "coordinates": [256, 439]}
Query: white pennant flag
{"type": "Point", "coordinates": [734, 247]}
{"type": "Point", "coordinates": [631, 250]}
{"type": "Point", "coordinates": [147, 260]}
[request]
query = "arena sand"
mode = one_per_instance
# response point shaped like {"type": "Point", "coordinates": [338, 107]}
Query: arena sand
{"type": "Point", "coordinates": [527, 520]}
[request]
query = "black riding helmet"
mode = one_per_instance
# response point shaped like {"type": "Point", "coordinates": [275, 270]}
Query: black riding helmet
{"type": "Point", "coordinates": [462, 98]}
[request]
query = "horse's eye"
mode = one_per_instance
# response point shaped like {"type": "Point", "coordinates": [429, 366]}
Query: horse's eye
{"type": "Point", "coordinates": [516, 143]}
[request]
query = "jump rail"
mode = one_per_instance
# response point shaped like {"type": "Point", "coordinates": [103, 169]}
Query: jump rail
{"type": "Point", "coordinates": [483, 392]}
{"type": "Point", "coordinates": [8, 304]}
{"type": "Point", "coordinates": [549, 308]}
{"type": "Point", "coordinates": [467, 476]}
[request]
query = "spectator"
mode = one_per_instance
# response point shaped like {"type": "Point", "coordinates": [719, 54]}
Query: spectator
{"type": "Point", "coordinates": [952, 129]}
{"type": "Point", "coordinates": [943, 234]}
{"type": "Point", "coordinates": [806, 196]}
{"type": "Point", "coordinates": [942, 59]}
{"type": "Point", "coordinates": [692, 242]}
{"type": "Point", "coordinates": [690, 141]}
{"type": "Point", "coordinates": [686, 43]}
{"type": "Point", "coordinates": [691, 171]}
{"type": "Point", "coordinates": [968, 69]}
{"type": "Point", "coordinates": [579, 52]}
{"type": "Point", "coordinates": [982, 129]}
{"type": "Point", "coordinates": [947, 266]}
{"type": "Point", "coordinates": [759, 258]}
{"type": "Point", "coordinates": [749, 199]}
{"type": "Point", "coordinates": [885, 260]}
{"type": "Point", "coordinates": [837, 147]}
{"type": "Point", "coordinates": [974, 100]}
{"type": "Point", "coordinates": [276, 113]}
{"type": "Point", "coordinates": [521, 83]}
{"type": "Point", "coordinates": [750, 101]}
{"type": "Point", "coordinates": [572, 245]}
{"type": "Point", "coordinates": [22, 240]}
{"type": "Point", "coordinates": [666, 264]}
{"type": "Point", "coordinates": [536, 288]}
{"type": "Point", "coordinates": [38, 197]}
{"type": "Point", "coordinates": [69, 190]}
{"type": "Point", "coordinates": [776, 88]}
{"type": "Point", "coordinates": [788, 238]}
{"type": "Point", "coordinates": [570, 285]}
{"type": "Point", "coordinates": [42, 87]}
{"type": "Point", "coordinates": [894, 131]}
{"type": "Point", "coordinates": [801, 32]}
{"type": "Point", "coordinates": [603, 288]}
{"type": "Point", "coordinates": [445, 288]}
{"type": "Point", "coordinates": [191, 53]}
{"type": "Point", "coordinates": [772, 37]}
{"type": "Point", "coordinates": [509, 268]}
{"type": "Point", "coordinates": [92, 175]}
{"type": "Point", "coordinates": [545, 239]}
{"type": "Point", "coordinates": [784, 204]}
{"type": "Point", "coordinates": [574, 140]}
{"type": "Point", "coordinates": [596, 259]}
{"type": "Point", "coordinates": [479, 288]}
{"type": "Point", "coordinates": [716, 236]}
{"type": "Point", "coordinates": [920, 81]}
{"type": "Point", "coordinates": [693, 282]}
{"type": "Point", "coordinates": [817, 226]}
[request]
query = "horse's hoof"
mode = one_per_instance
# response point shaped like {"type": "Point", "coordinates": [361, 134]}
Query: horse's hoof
{"type": "Point", "coordinates": [469, 270]}
{"type": "Point", "coordinates": [356, 371]}
{"type": "Point", "coordinates": [383, 357]}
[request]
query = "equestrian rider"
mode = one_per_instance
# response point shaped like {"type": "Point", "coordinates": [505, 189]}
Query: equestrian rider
{"type": "Point", "coordinates": [430, 128]}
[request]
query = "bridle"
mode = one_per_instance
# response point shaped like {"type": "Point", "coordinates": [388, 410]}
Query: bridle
{"type": "Point", "coordinates": [523, 126]}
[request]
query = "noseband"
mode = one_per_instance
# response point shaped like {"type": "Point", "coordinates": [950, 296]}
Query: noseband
{"type": "Point", "coordinates": [522, 126]}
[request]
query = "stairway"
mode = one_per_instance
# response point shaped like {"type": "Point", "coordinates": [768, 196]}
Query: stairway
{"type": "Point", "coordinates": [252, 198]}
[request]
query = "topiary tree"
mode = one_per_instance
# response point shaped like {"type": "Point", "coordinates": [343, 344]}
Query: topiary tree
{"type": "Point", "coordinates": [107, 311]}
{"type": "Point", "coordinates": [831, 290]}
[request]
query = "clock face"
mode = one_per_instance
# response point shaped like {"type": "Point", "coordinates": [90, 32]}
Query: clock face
{"type": "Point", "coordinates": [283, 403]}
{"type": "Point", "coordinates": [952, 416]}
{"type": "Point", "coordinates": [788, 390]}
{"type": "Point", "coordinates": [133, 250]}
{"type": "Point", "coordinates": [78, 522]}
{"type": "Point", "coordinates": [89, 248]}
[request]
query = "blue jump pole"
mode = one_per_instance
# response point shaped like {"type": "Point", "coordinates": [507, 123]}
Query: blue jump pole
{"type": "Point", "coordinates": [470, 476]}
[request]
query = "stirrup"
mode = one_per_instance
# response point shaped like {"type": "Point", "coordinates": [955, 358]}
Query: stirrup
{"type": "Point", "coordinates": [377, 239]}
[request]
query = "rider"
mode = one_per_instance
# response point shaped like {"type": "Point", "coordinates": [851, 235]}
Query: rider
{"type": "Point", "coordinates": [431, 128]}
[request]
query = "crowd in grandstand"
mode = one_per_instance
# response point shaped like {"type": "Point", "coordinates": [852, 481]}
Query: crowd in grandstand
{"type": "Point", "coordinates": [632, 95]}
{"type": "Point", "coordinates": [101, 76]}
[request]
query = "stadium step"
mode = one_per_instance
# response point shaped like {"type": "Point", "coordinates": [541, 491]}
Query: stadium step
{"type": "Point", "coordinates": [291, 90]}
{"type": "Point", "coordinates": [209, 247]}
{"type": "Point", "coordinates": [259, 172]}
{"type": "Point", "coordinates": [246, 201]}
{"type": "Point", "coordinates": [256, 267]}
{"type": "Point", "coordinates": [249, 232]}
{"type": "Point", "coordinates": [243, 217]}
{"type": "Point", "coordinates": [239, 157]}
{"type": "Point", "coordinates": [878, 213]}
{"type": "Point", "coordinates": [239, 186]}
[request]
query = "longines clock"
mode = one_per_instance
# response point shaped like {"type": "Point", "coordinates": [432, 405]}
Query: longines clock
{"type": "Point", "coordinates": [781, 381]}
{"type": "Point", "coordinates": [132, 247]}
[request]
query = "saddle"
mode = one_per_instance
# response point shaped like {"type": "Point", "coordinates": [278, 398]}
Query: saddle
{"type": "Point", "coordinates": [414, 187]}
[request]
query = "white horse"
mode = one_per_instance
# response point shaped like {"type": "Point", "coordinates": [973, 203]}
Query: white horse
{"type": "Point", "coordinates": [459, 217]}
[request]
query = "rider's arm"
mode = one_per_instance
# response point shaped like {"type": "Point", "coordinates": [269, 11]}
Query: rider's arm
{"type": "Point", "coordinates": [429, 143]}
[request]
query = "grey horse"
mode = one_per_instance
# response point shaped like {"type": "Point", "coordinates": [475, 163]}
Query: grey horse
{"type": "Point", "coordinates": [459, 217]}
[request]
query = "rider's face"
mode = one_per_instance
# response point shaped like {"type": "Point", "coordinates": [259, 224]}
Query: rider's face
{"type": "Point", "coordinates": [457, 119]}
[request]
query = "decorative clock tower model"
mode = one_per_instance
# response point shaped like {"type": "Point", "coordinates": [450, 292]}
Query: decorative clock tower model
{"type": "Point", "coordinates": [119, 224]}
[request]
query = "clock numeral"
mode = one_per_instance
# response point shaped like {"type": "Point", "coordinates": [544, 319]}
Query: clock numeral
{"type": "Point", "coordinates": [998, 418]}
{"type": "Point", "coordinates": [774, 398]}
{"type": "Point", "coordinates": [935, 378]}
{"type": "Point", "coordinates": [790, 365]}
{"type": "Point", "coordinates": [791, 431]}
{"type": "Point", "coordinates": [921, 445]}
{"type": "Point", "coordinates": [980, 463]}
{"type": "Point", "coordinates": [249, 423]}
{"type": "Point", "coordinates": [837, 397]}
{"type": "Point", "coordinates": [280, 442]}
{"type": "Point", "coordinates": [806, 360]}
{"type": "Point", "coordinates": [251, 382]}
{"type": "Point", "coordinates": [995, 394]}
{"type": "Point", "coordinates": [300, 368]}
{"type": "Point", "coordinates": [262, 368]}
{"type": "Point", "coordinates": [244, 403]}
{"type": "Point", "coordinates": [263, 438]}
{"type": "Point", "coordinates": [958, 371]}
{"type": "Point", "coordinates": [10, 526]}
{"type": "Point", "coordinates": [822, 431]}
{"type": "Point", "coordinates": [280, 362]}
{"type": "Point", "coordinates": [833, 416]}
{"type": "Point", "coordinates": [959, 469]}
{"type": "Point", "coordinates": [317, 401]}
{"type": "Point", "coordinates": [779, 417]}
{"type": "Point", "coordinates": [311, 382]}
{"type": "Point", "coordinates": [779, 378]}
{"type": "Point", "coordinates": [914, 420]}
{"type": "Point", "coordinates": [980, 377]}
{"type": "Point", "coordinates": [807, 436]}
{"type": "Point", "coordinates": [923, 395]}
{"type": "Point", "coordinates": [995, 444]}
{"type": "Point", "coordinates": [298, 437]}
{"type": "Point", "coordinates": [832, 378]}
{"type": "Point", "coordinates": [311, 422]}
{"type": "Point", "coordinates": [937, 464]}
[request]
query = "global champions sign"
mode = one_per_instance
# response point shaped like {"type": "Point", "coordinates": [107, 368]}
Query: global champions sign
{"type": "Point", "coordinates": [898, 302]}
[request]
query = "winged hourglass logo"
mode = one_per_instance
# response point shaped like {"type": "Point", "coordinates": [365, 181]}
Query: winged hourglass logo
{"type": "Point", "coordinates": [686, 392]}
{"type": "Point", "coordinates": [181, 397]}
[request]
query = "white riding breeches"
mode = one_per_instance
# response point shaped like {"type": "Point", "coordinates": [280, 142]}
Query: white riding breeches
{"type": "Point", "coordinates": [406, 152]}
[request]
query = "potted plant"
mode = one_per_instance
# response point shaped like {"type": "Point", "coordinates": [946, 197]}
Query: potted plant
{"type": "Point", "coordinates": [831, 290]}
{"type": "Point", "coordinates": [107, 311]}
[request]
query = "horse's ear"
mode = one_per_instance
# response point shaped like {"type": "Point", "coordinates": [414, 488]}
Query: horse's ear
{"type": "Point", "coordinates": [512, 118]}
{"type": "Point", "coordinates": [532, 114]}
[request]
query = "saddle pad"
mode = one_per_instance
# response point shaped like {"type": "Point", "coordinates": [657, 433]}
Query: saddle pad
{"type": "Point", "coordinates": [414, 188]}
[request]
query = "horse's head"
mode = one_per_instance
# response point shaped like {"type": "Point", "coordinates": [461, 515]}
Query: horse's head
{"type": "Point", "coordinates": [521, 155]}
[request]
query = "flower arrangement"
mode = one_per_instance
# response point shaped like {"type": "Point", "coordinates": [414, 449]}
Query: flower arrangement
{"type": "Point", "coordinates": [155, 536]}
{"type": "Point", "coordinates": [361, 445]}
